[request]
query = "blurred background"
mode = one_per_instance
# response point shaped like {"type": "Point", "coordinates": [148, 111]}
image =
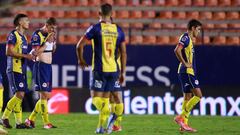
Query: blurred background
{"type": "Point", "coordinates": [152, 29]}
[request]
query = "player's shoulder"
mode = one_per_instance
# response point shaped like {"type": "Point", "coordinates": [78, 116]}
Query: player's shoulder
{"type": "Point", "coordinates": [12, 34]}
{"type": "Point", "coordinates": [184, 37]}
{"type": "Point", "coordinates": [36, 32]}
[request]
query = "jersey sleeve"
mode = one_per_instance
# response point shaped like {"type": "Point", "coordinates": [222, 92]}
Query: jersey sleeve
{"type": "Point", "coordinates": [89, 34]}
{"type": "Point", "coordinates": [11, 39]}
{"type": "Point", "coordinates": [35, 40]}
{"type": "Point", "coordinates": [122, 35]}
{"type": "Point", "coordinates": [184, 41]}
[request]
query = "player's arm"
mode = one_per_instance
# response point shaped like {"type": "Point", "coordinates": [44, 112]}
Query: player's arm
{"type": "Point", "coordinates": [37, 48]}
{"type": "Point", "coordinates": [79, 50]}
{"type": "Point", "coordinates": [10, 52]}
{"type": "Point", "coordinates": [178, 53]}
{"type": "Point", "coordinates": [123, 56]}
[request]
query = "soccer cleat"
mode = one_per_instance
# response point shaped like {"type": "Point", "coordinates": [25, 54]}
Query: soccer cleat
{"type": "Point", "coordinates": [3, 132]}
{"type": "Point", "coordinates": [49, 125]}
{"type": "Point", "coordinates": [187, 128]}
{"type": "Point", "coordinates": [5, 123]}
{"type": "Point", "coordinates": [116, 128]}
{"type": "Point", "coordinates": [21, 126]}
{"type": "Point", "coordinates": [179, 120]}
{"type": "Point", "coordinates": [99, 130]}
{"type": "Point", "coordinates": [30, 123]}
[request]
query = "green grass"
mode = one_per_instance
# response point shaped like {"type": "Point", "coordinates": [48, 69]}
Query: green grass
{"type": "Point", "coordinates": [83, 124]}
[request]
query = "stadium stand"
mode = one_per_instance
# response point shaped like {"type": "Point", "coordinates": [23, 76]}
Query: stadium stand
{"type": "Point", "coordinates": [218, 16]}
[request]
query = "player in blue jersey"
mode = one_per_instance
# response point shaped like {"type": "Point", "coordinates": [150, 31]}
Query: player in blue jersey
{"type": "Point", "coordinates": [17, 56]}
{"type": "Point", "coordinates": [107, 38]}
{"type": "Point", "coordinates": [44, 44]}
{"type": "Point", "coordinates": [187, 73]}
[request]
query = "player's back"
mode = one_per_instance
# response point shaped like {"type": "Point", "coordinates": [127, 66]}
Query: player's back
{"type": "Point", "coordinates": [107, 38]}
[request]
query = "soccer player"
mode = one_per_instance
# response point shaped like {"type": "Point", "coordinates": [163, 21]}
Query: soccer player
{"type": "Point", "coordinates": [44, 44]}
{"type": "Point", "coordinates": [107, 38]}
{"type": "Point", "coordinates": [2, 131]}
{"type": "Point", "coordinates": [17, 55]}
{"type": "Point", "coordinates": [187, 73]}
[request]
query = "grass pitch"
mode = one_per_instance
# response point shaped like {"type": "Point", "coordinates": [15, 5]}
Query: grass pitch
{"type": "Point", "coordinates": [83, 124]}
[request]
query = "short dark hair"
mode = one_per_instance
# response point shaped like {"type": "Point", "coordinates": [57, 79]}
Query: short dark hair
{"type": "Point", "coordinates": [51, 21]}
{"type": "Point", "coordinates": [17, 18]}
{"type": "Point", "coordinates": [106, 9]}
{"type": "Point", "coordinates": [193, 23]}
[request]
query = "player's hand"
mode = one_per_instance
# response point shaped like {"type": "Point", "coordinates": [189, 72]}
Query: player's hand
{"type": "Point", "coordinates": [29, 57]}
{"type": "Point", "coordinates": [188, 65]}
{"type": "Point", "coordinates": [82, 64]}
{"type": "Point", "coordinates": [51, 38]}
{"type": "Point", "coordinates": [121, 78]}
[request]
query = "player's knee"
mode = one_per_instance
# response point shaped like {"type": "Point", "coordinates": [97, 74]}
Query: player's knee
{"type": "Point", "coordinates": [97, 102]}
{"type": "Point", "coordinates": [19, 95]}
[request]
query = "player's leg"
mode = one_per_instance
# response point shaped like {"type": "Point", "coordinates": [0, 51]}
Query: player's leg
{"type": "Point", "coordinates": [44, 96]}
{"type": "Point", "coordinates": [118, 110]}
{"type": "Point", "coordinates": [2, 131]}
{"type": "Point", "coordinates": [30, 121]}
{"type": "Point", "coordinates": [98, 102]}
{"type": "Point", "coordinates": [186, 98]}
{"type": "Point", "coordinates": [17, 85]}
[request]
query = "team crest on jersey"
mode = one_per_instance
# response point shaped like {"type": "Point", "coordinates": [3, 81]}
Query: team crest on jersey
{"type": "Point", "coordinates": [98, 84]}
{"type": "Point", "coordinates": [21, 85]}
{"type": "Point", "coordinates": [44, 85]}
{"type": "Point", "coordinates": [35, 38]}
{"type": "Point", "coordinates": [196, 82]}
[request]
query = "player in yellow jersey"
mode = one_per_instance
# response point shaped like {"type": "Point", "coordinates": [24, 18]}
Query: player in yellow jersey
{"type": "Point", "coordinates": [107, 38]}
{"type": "Point", "coordinates": [44, 44]}
{"type": "Point", "coordinates": [187, 73]}
{"type": "Point", "coordinates": [17, 56]}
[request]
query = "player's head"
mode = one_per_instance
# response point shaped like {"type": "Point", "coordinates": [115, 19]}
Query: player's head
{"type": "Point", "coordinates": [51, 24]}
{"type": "Point", "coordinates": [21, 20]}
{"type": "Point", "coordinates": [194, 26]}
{"type": "Point", "coordinates": [105, 10]}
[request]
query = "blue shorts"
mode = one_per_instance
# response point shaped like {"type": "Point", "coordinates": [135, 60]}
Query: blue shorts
{"type": "Point", "coordinates": [188, 82]}
{"type": "Point", "coordinates": [17, 82]}
{"type": "Point", "coordinates": [105, 81]}
{"type": "Point", "coordinates": [42, 76]}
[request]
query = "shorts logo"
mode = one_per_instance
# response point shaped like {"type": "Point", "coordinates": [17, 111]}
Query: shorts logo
{"type": "Point", "coordinates": [186, 84]}
{"type": "Point", "coordinates": [196, 82]}
{"type": "Point", "coordinates": [21, 85]}
{"type": "Point", "coordinates": [98, 84]}
{"type": "Point", "coordinates": [44, 85]}
{"type": "Point", "coordinates": [117, 85]}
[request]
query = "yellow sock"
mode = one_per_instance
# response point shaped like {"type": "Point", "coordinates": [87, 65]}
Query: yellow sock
{"type": "Point", "coordinates": [118, 112]}
{"type": "Point", "coordinates": [36, 110]}
{"type": "Point", "coordinates": [113, 106]}
{"type": "Point", "coordinates": [18, 112]}
{"type": "Point", "coordinates": [183, 108]}
{"type": "Point", "coordinates": [44, 111]}
{"type": "Point", "coordinates": [9, 108]}
{"type": "Point", "coordinates": [1, 98]}
{"type": "Point", "coordinates": [104, 112]}
{"type": "Point", "coordinates": [191, 103]}
{"type": "Point", "coordinates": [97, 102]}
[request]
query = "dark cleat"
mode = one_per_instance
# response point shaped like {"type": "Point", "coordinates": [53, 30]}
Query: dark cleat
{"type": "Point", "coordinates": [5, 123]}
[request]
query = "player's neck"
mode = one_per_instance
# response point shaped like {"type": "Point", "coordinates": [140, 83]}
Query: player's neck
{"type": "Point", "coordinates": [190, 33]}
{"type": "Point", "coordinates": [20, 30]}
{"type": "Point", "coordinates": [105, 19]}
